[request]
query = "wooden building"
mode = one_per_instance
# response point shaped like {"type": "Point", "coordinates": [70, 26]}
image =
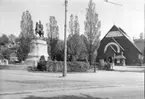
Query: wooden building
{"type": "Point", "coordinates": [118, 46]}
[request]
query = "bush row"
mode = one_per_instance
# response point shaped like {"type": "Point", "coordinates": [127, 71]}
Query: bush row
{"type": "Point", "coordinates": [57, 66]}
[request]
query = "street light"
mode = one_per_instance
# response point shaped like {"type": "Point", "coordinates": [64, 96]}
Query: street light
{"type": "Point", "coordinates": [65, 42]}
{"type": "Point", "coordinates": [113, 2]}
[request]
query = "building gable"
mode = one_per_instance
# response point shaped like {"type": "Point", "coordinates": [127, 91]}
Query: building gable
{"type": "Point", "coordinates": [114, 34]}
{"type": "Point", "coordinates": [116, 39]}
{"type": "Point", "coordinates": [118, 32]}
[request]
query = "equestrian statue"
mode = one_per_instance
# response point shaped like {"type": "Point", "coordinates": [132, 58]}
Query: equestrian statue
{"type": "Point", "coordinates": [39, 29]}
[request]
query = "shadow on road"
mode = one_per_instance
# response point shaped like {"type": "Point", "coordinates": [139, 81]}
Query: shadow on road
{"type": "Point", "coordinates": [66, 97]}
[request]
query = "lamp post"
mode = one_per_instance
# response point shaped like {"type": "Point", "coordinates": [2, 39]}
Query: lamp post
{"type": "Point", "coordinates": [65, 42]}
{"type": "Point", "coordinates": [113, 2]}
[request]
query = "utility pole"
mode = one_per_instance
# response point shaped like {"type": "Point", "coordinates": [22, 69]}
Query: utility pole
{"type": "Point", "coordinates": [144, 33]}
{"type": "Point", "coordinates": [65, 42]}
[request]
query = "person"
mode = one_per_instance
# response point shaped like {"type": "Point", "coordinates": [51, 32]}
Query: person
{"type": "Point", "coordinates": [41, 64]}
{"type": "Point", "coordinates": [110, 62]}
{"type": "Point", "coordinates": [102, 63]}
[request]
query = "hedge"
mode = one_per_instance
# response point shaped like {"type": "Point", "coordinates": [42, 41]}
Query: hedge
{"type": "Point", "coordinates": [57, 66]}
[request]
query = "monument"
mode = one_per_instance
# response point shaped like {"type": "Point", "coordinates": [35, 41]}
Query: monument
{"type": "Point", "coordinates": [38, 46]}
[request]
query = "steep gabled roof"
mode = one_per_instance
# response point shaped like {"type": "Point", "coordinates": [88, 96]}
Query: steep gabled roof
{"type": "Point", "coordinates": [140, 44]}
{"type": "Point", "coordinates": [125, 34]}
{"type": "Point", "coordinates": [122, 30]}
{"type": "Point", "coordinates": [115, 28]}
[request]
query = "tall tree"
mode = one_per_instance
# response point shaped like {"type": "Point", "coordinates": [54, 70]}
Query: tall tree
{"type": "Point", "coordinates": [92, 31]}
{"type": "Point", "coordinates": [74, 27]}
{"type": "Point", "coordinates": [60, 50]}
{"type": "Point", "coordinates": [26, 25]}
{"type": "Point", "coordinates": [53, 34]}
{"type": "Point", "coordinates": [71, 24]}
{"type": "Point", "coordinates": [25, 36]}
{"type": "Point", "coordinates": [75, 45]}
{"type": "Point", "coordinates": [24, 48]}
{"type": "Point", "coordinates": [52, 28]}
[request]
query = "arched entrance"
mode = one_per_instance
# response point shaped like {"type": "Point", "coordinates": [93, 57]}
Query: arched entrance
{"type": "Point", "coordinates": [110, 50]}
{"type": "Point", "coordinates": [112, 43]}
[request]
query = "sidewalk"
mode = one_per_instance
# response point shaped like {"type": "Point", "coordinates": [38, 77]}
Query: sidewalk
{"type": "Point", "coordinates": [129, 68]}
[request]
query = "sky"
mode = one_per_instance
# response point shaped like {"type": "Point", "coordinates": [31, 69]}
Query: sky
{"type": "Point", "coordinates": [130, 16]}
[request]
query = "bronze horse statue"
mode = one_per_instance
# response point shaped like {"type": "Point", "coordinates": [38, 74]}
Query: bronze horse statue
{"type": "Point", "coordinates": [39, 29]}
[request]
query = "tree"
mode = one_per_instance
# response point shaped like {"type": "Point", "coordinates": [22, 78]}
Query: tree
{"type": "Point", "coordinates": [27, 25]}
{"type": "Point", "coordinates": [74, 41]}
{"type": "Point", "coordinates": [52, 28]}
{"type": "Point", "coordinates": [6, 53]}
{"type": "Point", "coordinates": [4, 39]}
{"type": "Point", "coordinates": [71, 24]}
{"type": "Point", "coordinates": [53, 34]}
{"type": "Point", "coordinates": [12, 38]}
{"type": "Point", "coordinates": [60, 50]}
{"type": "Point", "coordinates": [141, 36]}
{"type": "Point", "coordinates": [24, 48]}
{"type": "Point", "coordinates": [25, 36]}
{"type": "Point", "coordinates": [1, 56]}
{"type": "Point", "coordinates": [74, 46]}
{"type": "Point", "coordinates": [92, 31]}
{"type": "Point", "coordinates": [5, 48]}
{"type": "Point", "coordinates": [74, 26]}
{"type": "Point", "coordinates": [84, 51]}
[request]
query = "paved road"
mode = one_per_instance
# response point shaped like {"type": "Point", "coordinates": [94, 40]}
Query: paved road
{"type": "Point", "coordinates": [18, 84]}
{"type": "Point", "coordinates": [130, 92]}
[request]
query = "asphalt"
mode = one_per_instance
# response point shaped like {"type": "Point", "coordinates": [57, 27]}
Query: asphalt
{"type": "Point", "coordinates": [20, 84]}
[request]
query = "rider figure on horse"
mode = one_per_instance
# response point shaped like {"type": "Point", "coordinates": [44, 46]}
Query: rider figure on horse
{"type": "Point", "coordinates": [39, 29]}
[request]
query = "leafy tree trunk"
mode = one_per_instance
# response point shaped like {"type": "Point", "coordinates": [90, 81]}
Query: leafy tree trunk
{"type": "Point", "coordinates": [92, 31]}
{"type": "Point", "coordinates": [52, 33]}
{"type": "Point", "coordinates": [25, 36]}
{"type": "Point", "coordinates": [74, 43]}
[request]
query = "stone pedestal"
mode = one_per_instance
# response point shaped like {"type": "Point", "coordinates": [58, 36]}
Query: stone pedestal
{"type": "Point", "coordinates": [37, 49]}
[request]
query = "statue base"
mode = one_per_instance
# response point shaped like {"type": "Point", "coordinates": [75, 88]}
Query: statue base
{"type": "Point", "coordinates": [38, 48]}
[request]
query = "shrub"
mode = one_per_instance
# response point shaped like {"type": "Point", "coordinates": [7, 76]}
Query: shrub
{"type": "Point", "coordinates": [53, 66]}
{"type": "Point", "coordinates": [103, 65]}
{"type": "Point", "coordinates": [41, 64]}
{"type": "Point", "coordinates": [78, 66]}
